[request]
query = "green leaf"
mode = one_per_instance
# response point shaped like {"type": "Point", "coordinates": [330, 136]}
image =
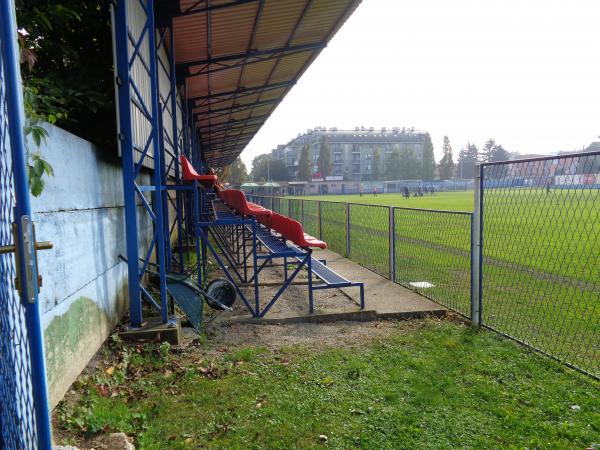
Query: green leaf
{"type": "Point", "coordinates": [48, 168]}
{"type": "Point", "coordinates": [37, 139]}
{"type": "Point", "coordinates": [44, 19]}
{"type": "Point", "coordinates": [38, 165]}
{"type": "Point", "coordinates": [36, 186]}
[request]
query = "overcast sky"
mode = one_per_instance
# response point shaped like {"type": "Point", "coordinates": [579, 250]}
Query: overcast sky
{"type": "Point", "coordinates": [525, 72]}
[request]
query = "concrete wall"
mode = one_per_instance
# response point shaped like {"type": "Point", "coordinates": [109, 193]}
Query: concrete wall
{"type": "Point", "coordinates": [84, 292]}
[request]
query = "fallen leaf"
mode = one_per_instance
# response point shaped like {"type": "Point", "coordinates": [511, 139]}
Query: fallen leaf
{"type": "Point", "coordinates": [110, 370]}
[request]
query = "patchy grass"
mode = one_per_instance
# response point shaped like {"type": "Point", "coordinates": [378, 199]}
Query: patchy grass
{"type": "Point", "coordinates": [439, 385]}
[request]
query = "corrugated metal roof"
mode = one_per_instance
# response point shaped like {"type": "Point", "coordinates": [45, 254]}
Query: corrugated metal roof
{"type": "Point", "coordinates": [239, 58]}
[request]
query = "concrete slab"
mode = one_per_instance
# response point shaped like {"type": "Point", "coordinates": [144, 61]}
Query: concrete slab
{"type": "Point", "coordinates": [384, 299]}
{"type": "Point", "coordinates": [155, 329]}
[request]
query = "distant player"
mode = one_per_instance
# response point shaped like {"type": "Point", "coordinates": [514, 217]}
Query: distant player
{"type": "Point", "coordinates": [548, 185]}
{"type": "Point", "coordinates": [375, 192]}
{"type": "Point", "coordinates": [405, 192]}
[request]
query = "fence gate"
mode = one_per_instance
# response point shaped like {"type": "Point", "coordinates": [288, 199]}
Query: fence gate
{"type": "Point", "coordinates": [24, 420]}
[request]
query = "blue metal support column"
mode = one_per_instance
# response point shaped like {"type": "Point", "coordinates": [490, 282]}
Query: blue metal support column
{"type": "Point", "coordinates": [25, 247]}
{"type": "Point", "coordinates": [176, 143]}
{"type": "Point", "coordinates": [158, 168]}
{"type": "Point", "coordinates": [126, 144]}
{"type": "Point", "coordinates": [137, 89]}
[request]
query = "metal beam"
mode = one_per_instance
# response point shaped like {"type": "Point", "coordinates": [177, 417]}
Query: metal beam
{"type": "Point", "coordinates": [235, 108]}
{"type": "Point", "coordinates": [224, 138]}
{"type": "Point", "coordinates": [233, 124]}
{"type": "Point", "coordinates": [245, 91]}
{"type": "Point", "coordinates": [259, 55]}
{"type": "Point", "coordinates": [197, 9]}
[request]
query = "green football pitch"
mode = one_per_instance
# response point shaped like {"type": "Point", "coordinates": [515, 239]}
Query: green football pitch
{"type": "Point", "coordinates": [541, 253]}
{"type": "Point", "coordinates": [455, 201]}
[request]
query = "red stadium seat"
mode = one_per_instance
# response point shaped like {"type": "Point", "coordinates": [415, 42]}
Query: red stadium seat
{"type": "Point", "coordinates": [237, 200]}
{"type": "Point", "coordinates": [292, 230]}
{"type": "Point", "coordinates": [190, 174]}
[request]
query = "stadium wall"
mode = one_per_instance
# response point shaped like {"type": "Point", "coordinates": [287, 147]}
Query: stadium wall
{"type": "Point", "coordinates": [84, 283]}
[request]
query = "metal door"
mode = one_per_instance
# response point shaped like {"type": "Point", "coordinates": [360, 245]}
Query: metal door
{"type": "Point", "coordinates": [24, 416]}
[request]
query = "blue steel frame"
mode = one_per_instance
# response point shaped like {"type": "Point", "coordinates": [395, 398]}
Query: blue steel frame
{"type": "Point", "coordinates": [133, 191]}
{"type": "Point", "coordinates": [22, 210]}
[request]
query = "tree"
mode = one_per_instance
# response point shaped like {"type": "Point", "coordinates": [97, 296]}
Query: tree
{"type": "Point", "coordinates": [498, 153]}
{"type": "Point", "coordinates": [488, 150]}
{"type": "Point", "coordinates": [324, 161]}
{"type": "Point", "coordinates": [493, 152]}
{"type": "Point", "coordinates": [446, 166]}
{"type": "Point", "coordinates": [392, 165]}
{"type": "Point", "coordinates": [304, 165]}
{"type": "Point", "coordinates": [71, 45]}
{"type": "Point", "coordinates": [467, 158]}
{"type": "Point", "coordinates": [264, 168]}
{"type": "Point", "coordinates": [428, 166]}
{"type": "Point", "coordinates": [237, 173]}
{"type": "Point", "coordinates": [410, 166]}
{"type": "Point", "coordinates": [375, 171]}
{"type": "Point", "coordinates": [259, 166]}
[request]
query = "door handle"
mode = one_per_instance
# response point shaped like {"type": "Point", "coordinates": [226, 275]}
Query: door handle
{"type": "Point", "coordinates": [42, 245]}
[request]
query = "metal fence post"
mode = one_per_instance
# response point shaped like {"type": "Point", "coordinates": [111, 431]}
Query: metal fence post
{"type": "Point", "coordinates": [347, 230]}
{"type": "Point", "coordinates": [476, 248]}
{"type": "Point", "coordinates": [320, 220]}
{"type": "Point", "coordinates": [392, 243]}
{"type": "Point", "coordinates": [302, 211]}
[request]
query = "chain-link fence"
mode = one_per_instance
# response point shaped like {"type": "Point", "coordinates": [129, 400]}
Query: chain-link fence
{"type": "Point", "coordinates": [369, 237]}
{"type": "Point", "coordinates": [427, 251]}
{"type": "Point", "coordinates": [433, 255]}
{"type": "Point", "coordinates": [541, 255]}
{"type": "Point", "coordinates": [333, 222]}
{"type": "Point", "coordinates": [527, 264]}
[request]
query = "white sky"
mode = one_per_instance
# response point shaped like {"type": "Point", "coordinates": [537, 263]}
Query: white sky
{"type": "Point", "coordinates": [525, 72]}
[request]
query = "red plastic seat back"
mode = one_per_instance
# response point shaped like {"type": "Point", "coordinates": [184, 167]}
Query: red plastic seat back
{"type": "Point", "coordinates": [292, 230]}
{"type": "Point", "coordinates": [288, 228]}
{"type": "Point", "coordinates": [190, 174]}
{"type": "Point", "coordinates": [266, 220]}
{"type": "Point", "coordinates": [188, 171]}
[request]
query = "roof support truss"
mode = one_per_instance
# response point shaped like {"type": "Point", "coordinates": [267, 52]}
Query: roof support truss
{"type": "Point", "coordinates": [206, 66]}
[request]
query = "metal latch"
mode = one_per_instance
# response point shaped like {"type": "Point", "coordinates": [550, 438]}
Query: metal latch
{"type": "Point", "coordinates": [29, 241]}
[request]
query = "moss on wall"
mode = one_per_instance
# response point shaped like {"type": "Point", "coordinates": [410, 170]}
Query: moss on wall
{"type": "Point", "coordinates": [70, 340]}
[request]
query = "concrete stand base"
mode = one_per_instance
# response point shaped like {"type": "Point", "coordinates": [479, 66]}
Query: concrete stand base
{"type": "Point", "coordinates": [155, 330]}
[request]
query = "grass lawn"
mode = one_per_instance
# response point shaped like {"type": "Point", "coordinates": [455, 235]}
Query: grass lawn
{"type": "Point", "coordinates": [455, 201]}
{"type": "Point", "coordinates": [541, 257]}
{"type": "Point", "coordinates": [424, 384]}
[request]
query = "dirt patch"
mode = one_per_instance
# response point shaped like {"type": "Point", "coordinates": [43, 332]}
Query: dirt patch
{"type": "Point", "coordinates": [318, 335]}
